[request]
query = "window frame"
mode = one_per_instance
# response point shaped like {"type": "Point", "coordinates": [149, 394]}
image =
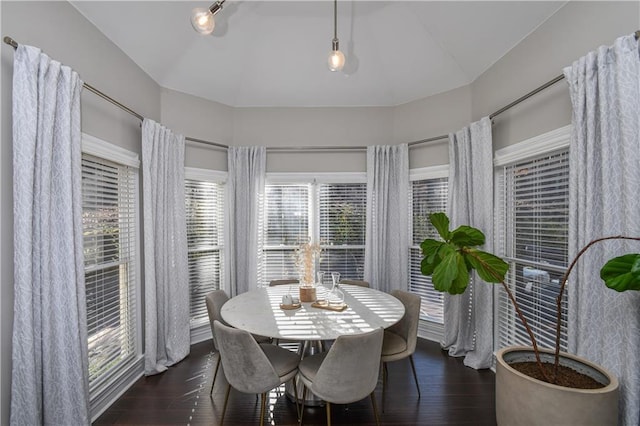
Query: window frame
{"type": "Point", "coordinates": [124, 376]}
{"type": "Point", "coordinates": [548, 143]}
{"type": "Point", "coordinates": [202, 331]}
{"type": "Point", "coordinates": [426, 329]}
{"type": "Point", "coordinates": [313, 180]}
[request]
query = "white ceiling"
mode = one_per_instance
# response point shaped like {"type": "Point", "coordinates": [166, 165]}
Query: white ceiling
{"type": "Point", "coordinates": [266, 53]}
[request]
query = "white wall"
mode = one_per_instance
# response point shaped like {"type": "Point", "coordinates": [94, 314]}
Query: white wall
{"type": "Point", "coordinates": [430, 117]}
{"type": "Point", "coordinates": [317, 126]}
{"type": "Point", "coordinates": [58, 29]}
{"type": "Point", "coordinates": [200, 119]}
{"type": "Point", "coordinates": [577, 28]}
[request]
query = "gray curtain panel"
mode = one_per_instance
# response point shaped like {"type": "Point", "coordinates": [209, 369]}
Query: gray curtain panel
{"type": "Point", "coordinates": [50, 373]}
{"type": "Point", "coordinates": [468, 317]}
{"type": "Point", "coordinates": [166, 283]}
{"type": "Point", "coordinates": [245, 191]}
{"type": "Point", "coordinates": [604, 161]}
{"type": "Point", "coordinates": [387, 228]}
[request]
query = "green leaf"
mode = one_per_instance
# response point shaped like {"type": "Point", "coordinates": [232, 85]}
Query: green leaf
{"type": "Point", "coordinates": [467, 236]}
{"type": "Point", "coordinates": [427, 265]}
{"type": "Point", "coordinates": [430, 247]}
{"type": "Point", "coordinates": [447, 272]}
{"type": "Point", "coordinates": [622, 273]}
{"type": "Point", "coordinates": [440, 221]}
{"type": "Point", "coordinates": [490, 268]}
{"type": "Point", "coordinates": [432, 251]}
{"type": "Point", "coordinates": [459, 285]}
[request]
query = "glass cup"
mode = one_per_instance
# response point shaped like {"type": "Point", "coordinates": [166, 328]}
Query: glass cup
{"type": "Point", "coordinates": [336, 296]}
{"type": "Point", "coordinates": [335, 277]}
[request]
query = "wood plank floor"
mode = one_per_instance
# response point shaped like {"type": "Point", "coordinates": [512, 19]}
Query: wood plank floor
{"type": "Point", "coordinates": [452, 394]}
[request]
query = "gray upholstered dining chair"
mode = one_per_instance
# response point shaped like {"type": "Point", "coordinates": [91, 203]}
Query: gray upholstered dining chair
{"type": "Point", "coordinates": [214, 301]}
{"type": "Point", "coordinates": [400, 339]}
{"type": "Point", "coordinates": [348, 372]}
{"type": "Point", "coordinates": [283, 282]}
{"type": "Point", "coordinates": [251, 367]}
{"type": "Point", "coordinates": [355, 282]}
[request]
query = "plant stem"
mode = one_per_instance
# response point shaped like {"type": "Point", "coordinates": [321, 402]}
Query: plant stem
{"type": "Point", "coordinates": [534, 342]}
{"type": "Point", "coordinates": [512, 298]}
{"type": "Point", "coordinates": [562, 287]}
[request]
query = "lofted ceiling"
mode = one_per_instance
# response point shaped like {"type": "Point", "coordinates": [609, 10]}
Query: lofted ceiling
{"type": "Point", "coordinates": [267, 53]}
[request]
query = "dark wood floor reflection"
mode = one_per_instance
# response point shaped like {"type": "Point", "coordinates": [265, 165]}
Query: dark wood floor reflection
{"type": "Point", "coordinates": [452, 394]}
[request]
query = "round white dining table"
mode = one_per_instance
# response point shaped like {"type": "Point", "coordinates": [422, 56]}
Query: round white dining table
{"type": "Point", "coordinates": [258, 311]}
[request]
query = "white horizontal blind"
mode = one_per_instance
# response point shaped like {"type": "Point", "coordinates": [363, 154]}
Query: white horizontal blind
{"type": "Point", "coordinates": [108, 219]}
{"type": "Point", "coordinates": [534, 239]}
{"type": "Point", "coordinates": [286, 226]}
{"type": "Point", "coordinates": [205, 224]}
{"type": "Point", "coordinates": [341, 223]}
{"type": "Point", "coordinates": [427, 196]}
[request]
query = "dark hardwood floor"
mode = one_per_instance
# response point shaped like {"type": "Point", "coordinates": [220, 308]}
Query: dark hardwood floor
{"type": "Point", "coordinates": [452, 394]}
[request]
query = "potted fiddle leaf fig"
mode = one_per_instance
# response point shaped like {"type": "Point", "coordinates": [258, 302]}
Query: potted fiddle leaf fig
{"type": "Point", "coordinates": [545, 395]}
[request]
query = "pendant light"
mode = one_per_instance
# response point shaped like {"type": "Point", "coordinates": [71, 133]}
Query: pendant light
{"type": "Point", "coordinates": [202, 18]}
{"type": "Point", "coordinates": [336, 57]}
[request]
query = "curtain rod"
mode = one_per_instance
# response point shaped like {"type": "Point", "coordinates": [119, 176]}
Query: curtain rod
{"type": "Point", "coordinates": [11, 42]}
{"type": "Point", "coordinates": [498, 112]}
{"type": "Point", "coordinates": [511, 105]}
{"type": "Point", "coordinates": [538, 90]}
{"type": "Point", "coordinates": [14, 44]}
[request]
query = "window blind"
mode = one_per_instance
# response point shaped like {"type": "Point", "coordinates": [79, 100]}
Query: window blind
{"type": "Point", "coordinates": [341, 223]}
{"type": "Point", "coordinates": [286, 226]}
{"type": "Point", "coordinates": [108, 220]}
{"type": "Point", "coordinates": [533, 238]}
{"type": "Point", "coordinates": [427, 196]}
{"type": "Point", "coordinates": [205, 223]}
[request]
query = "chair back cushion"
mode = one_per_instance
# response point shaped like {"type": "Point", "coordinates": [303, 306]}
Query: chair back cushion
{"type": "Point", "coordinates": [407, 327]}
{"type": "Point", "coordinates": [246, 366]}
{"type": "Point", "coordinates": [349, 372]}
{"type": "Point", "coordinates": [214, 301]}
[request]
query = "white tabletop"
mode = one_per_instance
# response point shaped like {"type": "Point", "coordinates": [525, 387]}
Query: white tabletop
{"type": "Point", "coordinates": [258, 311]}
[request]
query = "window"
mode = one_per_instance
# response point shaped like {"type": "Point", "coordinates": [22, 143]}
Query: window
{"type": "Point", "coordinates": [331, 214]}
{"type": "Point", "coordinates": [342, 212]}
{"type": "Point", "coordinates": [533, 237]}
{"type": "Point", "coordinates": [429, 190]}
{"type": "Point", "coordinates": [109, 194]}
{"type": "Point", "coordinates": [286, 222]}
{"type": "Point", "coordinates": [205, 223]}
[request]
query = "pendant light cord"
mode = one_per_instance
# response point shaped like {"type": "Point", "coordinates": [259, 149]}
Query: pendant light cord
{"type": "Point", "coordinates": [335, 19]}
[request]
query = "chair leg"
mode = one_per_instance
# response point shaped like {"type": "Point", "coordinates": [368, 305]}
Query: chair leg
{"type": "Point", "coordinates": [224, 407]}
{"type": "Point", "coordinates": [304, 397]}
{"type": "Point", "coordinates": [263, 403]}
{"type": "Point", "coordinates": [295, 392]}
{"type": "Point", "coordinates": [328, 404]}
{"type": "Point", "coordinates": [375, 409]}
{"type": "Point", "coordinates": [215, 374]}
{"type": "Point", "coordinates": [415, 376]}
{"type": "Point", "coordinates": [384, 383]}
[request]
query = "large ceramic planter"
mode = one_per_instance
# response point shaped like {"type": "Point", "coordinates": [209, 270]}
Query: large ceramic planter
{"type": "Point", "coordinates": [522, 400]}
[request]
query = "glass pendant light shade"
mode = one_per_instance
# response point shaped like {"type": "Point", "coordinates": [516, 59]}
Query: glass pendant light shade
{"type": "Point", "coordinates": [336, 60]}
{"type": "Point", "coordinates": [202, 20]}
